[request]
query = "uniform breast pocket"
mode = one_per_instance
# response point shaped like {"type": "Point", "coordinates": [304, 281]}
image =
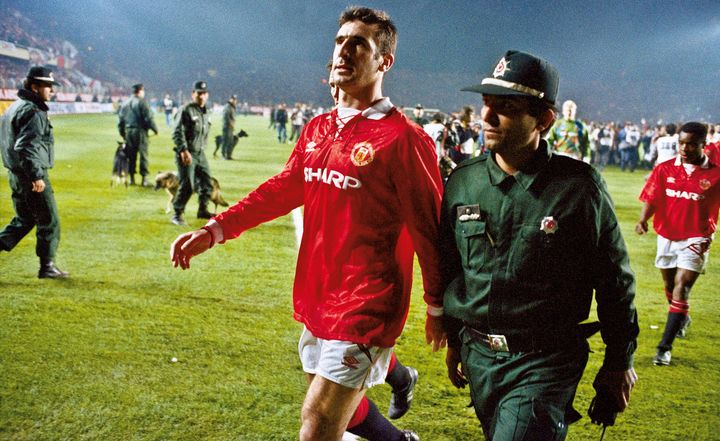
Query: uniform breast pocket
{"type": "Point", "coordinates": [538, 255]}
{"type": "Point", "coordinates": [474, 243]}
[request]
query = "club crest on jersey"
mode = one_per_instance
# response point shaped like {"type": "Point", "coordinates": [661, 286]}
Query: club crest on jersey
{"type": "Point", "coordinates": [362, 154]}
{"type": "Point", "coordinates": [310, 146]}
{"type": "Point", "coordinates": [500, 68]}
{"type": "Point", "coordinates": [704, 184]}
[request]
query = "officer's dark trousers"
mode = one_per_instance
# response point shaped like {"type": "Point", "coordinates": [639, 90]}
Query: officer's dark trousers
{"type": "Point", "coordinates": [193, 177]}
{"type": "Point", "coordinates": [227, 144]}
{"type": "Point", "coordinates": [523, 396]}
{"type": "Point", "coordinates": [136, 142]}
{"type": "Point", "coordinates": [32, 210]}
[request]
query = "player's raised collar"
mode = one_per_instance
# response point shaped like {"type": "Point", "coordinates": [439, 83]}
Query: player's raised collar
{"type": "Point", "coordinates": [376, 111]}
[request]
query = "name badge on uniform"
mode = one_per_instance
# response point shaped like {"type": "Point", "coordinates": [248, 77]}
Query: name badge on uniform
{"type": "Point", "coordinates": [468, 213]}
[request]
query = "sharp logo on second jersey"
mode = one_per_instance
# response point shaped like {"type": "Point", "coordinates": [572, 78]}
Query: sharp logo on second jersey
{"type": "Point", "coordinates": [689, 195]}
{"type": "Point", "coordinates": [331, 177]}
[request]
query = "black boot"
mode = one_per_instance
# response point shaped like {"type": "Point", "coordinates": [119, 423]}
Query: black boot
{"type": "Point", "coordinates": [132, 179]}
{"type": "Point", "coordinates": [203, 212]}
{"type": "Point", "coordinates": [48, 270]}
{"type": "Point", "coordinates": [177, 218]}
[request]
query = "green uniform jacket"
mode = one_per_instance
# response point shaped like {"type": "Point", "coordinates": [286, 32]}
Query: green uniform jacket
{"type": "Point", "coordinates": [192, 126]}
{"type": "Point", "coordinates": [135, 114]}
{"type": "Point", "coordinates": [27, 136]}
{"type": "Point", "coordinates": [506, 275]}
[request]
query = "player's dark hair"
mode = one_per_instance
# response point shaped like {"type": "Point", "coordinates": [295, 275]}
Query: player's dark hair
{"type": "Point", "coordinates": [386, 34]}
{"type": "Point", "coordinates": [671, 129]}
{"type": "Point", "coordinates": [695, 128]}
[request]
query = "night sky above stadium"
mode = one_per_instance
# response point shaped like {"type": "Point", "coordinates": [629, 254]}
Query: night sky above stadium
{"type": "Point", "coordinates": [618, 60]}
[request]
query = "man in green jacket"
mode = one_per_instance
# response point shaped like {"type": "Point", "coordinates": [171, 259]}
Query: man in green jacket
{"type": "Point", "coordinates": [27, 142]}
{"type": "Point", "coordinates": [190, 136]}
{"type": "Point", "coordinates": [135, 119]}
{"type": "Point", "coordinates": [527, 236]}
{"type": "Point", "coordinates": [228, 127]}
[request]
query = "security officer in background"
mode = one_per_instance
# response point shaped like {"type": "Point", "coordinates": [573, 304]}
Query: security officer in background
{"type": "Point", "coordinates": [228, 127]}
{"type": "Point", "coordinates": [28, 153]}
{"type": "Point", "coordinates": [192, 125]}
{"type": "Point", "coordinates": [527, 236]}
{"type": "Point", "coordinates": [135, 119]}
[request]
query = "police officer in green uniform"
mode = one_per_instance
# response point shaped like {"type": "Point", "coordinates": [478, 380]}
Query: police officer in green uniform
{"type": "Point", "coordinates": [527, 236]}
{"type": "Point", "coordinates": [228, 127]}
{"type": "Point", "coordinates": [135, 119]}
{"type": "Point", "coordinates": [28, 153]}
{"type": "Point", "coordinates": [190, 136]}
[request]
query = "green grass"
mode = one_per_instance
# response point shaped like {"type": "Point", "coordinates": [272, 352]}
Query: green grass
{"type": "Point", "coordinates": [89, 358]}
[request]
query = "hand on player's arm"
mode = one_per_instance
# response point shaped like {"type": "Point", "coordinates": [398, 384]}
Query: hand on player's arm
{"type": "Point", "coordinates": [188, 245]}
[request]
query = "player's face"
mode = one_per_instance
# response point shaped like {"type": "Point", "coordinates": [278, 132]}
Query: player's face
{"type": "Point", "coordinates": [356, 58]}
{"type": "Point", "coordinates": [507, 126]}
{"type": "Point", "coordinates": [690, 148]}
{"type": "Point", "coordinates": [200, 98]}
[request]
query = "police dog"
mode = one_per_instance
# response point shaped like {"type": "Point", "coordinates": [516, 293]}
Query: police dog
{"type": "Point", "coordinates": [170, 182]}
{"type": "Point", "coordinates": [121, 166]}
{"type": "Point", "coordinates": [236, 138]}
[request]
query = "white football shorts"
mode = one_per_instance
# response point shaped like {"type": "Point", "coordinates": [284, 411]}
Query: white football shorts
{"type": "Point", "coordinates": [348, 364]}
{"type": "Point", "coordinates": [690, 254]}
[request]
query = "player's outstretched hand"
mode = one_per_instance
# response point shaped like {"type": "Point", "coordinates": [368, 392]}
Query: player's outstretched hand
{"type": "Point", "coordinates": [188, 245]}
{"type": "Point", "coordinates": [641, 227]}
{"type": "Point", "coordinates": [435, 334]}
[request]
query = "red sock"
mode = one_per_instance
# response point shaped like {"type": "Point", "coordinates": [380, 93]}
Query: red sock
{"type": "Point", "coordinates": [360, 413]}
{"type": "Point", "coordinates": [679, 307]}
{"type": "Point", "coordinates": [393, 362]}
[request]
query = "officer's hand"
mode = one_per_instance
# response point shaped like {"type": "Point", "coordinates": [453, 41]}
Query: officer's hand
{"type": "Point", "coordinates": [618, 384]}
{"type": "Point", "coordinates": [435, 332]}
{"type": "Point", "coordinates": [641, 227]}
{"type": "Point", "coordinates": [454, 367]}
{"type": "Point", "coordinates": [188, 245]}
{"type": "Point", "coordinates": [38, 186]}
{"type": "Point", "coordinates": [185, 157]}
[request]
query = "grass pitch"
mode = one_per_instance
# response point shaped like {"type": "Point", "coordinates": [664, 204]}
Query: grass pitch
{"type": "Point", "coordinates": [91, 357]}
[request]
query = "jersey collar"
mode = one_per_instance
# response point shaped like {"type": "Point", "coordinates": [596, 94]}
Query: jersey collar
{"type": "Point", "coordinates": [705, 164]}
{"type": "Point", "coordinates": [376, 111]}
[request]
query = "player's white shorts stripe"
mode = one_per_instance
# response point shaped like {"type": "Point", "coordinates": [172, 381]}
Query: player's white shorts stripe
{"type": "Point", "coordinates": [690, 254]}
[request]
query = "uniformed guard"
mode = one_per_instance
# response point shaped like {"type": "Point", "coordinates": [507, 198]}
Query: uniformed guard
{"type": "Point", "coordinates": [134, 120]}
{"type": "Point", "coordinates": [27, 142]}
{"type": "Point", "coordinates": [190, 136]}
{"type": "Point", "coordinates": [527, 235]}
{"type": "Point", "coordinates": [228, 128]}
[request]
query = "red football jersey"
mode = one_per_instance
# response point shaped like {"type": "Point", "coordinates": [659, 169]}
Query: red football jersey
{"type": "Point", "coordinates": [712, 151]}
{"type": "Point", "coordinates": [363, 191]}
{"type": "Point", "coordinates": [685, 206]}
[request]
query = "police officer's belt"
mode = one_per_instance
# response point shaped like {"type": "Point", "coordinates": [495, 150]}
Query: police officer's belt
{"type": "Point", "coordinates": [536, 341]}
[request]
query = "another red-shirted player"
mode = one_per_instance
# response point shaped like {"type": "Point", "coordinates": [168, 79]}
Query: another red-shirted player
{"type": "Point", "coordinates": [370, 187]}
{"type": "Point", "coordinates": [684, 197]}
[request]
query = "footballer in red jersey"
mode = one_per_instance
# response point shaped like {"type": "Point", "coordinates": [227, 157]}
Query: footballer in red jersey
{"type": "Point", "coordinates": [370, 188]}
{"type": "Point", "coordinates": [684, 197]}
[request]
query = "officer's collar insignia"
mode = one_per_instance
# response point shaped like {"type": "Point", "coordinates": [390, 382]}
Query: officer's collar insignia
{"type": "Point", "coordinates": [548, 225]}
{"type": "Point", "coordinates": [500, 68]}
{"type": "Point", "coordinates": [468, 212]}
{"type": "Point", "coordinates": [362, 154]}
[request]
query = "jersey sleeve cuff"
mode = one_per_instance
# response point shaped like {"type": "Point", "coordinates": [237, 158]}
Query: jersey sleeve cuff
{"type": "Point", "coordinates": [216, 230]}
{"type": "Point", "coordinates": [435, 311]}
